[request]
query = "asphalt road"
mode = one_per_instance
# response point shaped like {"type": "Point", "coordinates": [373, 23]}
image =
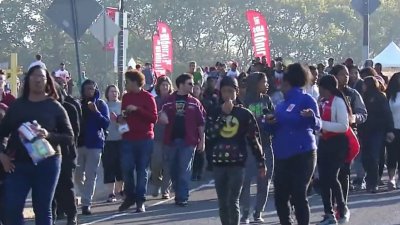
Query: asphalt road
{"type": "Point", "coordinates": [366, 209]}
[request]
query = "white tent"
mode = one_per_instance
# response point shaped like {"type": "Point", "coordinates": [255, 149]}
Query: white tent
{"type": "Point", "coordinates": [389, 57]}
{"type": "Point", "coordinates": [132, 63]}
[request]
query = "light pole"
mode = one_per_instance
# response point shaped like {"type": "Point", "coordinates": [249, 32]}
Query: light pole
{"type": "Point", "coordinates": [121, 45]}
{"type": "Point", "coordinates": [75, 22]}
{"type": "Point", "coordinates": [365, 49]}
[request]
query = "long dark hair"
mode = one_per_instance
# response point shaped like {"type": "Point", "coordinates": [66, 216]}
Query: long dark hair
{"type": "Point", "coordinates": [372, 87]}
{"type": "Point", "coordinates": [242, 80]}
{"type": "Point", "coordinates": [330, 83]}
{"type": "Point", "coordinates": [336, 69]}
{"type": "Point", "coordinates": [50, 88]}
{"type": "Point", "coordinates": [393, 87]}
{"type": "Point", "coordinates": [368, 72]}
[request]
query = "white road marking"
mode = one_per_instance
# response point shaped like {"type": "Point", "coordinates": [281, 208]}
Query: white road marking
{"type": "Point", "coordinates": [271, 213]}
{"type": "Point", "coordinates": [209, 184]}
{"type": "Point", "coordinates": [106, 218]}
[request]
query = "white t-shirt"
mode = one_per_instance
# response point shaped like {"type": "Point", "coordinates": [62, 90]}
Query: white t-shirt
{"type": "Point", "coordinates": [36, 63]}
{"type": "Point", "coordinates": [62, 73]}
{"type": "Point", "coordinates": [232, 73]}
{"type": "Point", "coordinates": [313, 91]}
{"type": "Point", "coordinates": [395, 108]}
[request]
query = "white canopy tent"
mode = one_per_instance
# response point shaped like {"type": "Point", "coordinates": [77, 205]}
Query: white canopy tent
{"type": "Point", "coordinates": [389, 57]}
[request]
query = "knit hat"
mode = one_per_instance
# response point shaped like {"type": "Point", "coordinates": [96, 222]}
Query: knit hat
{"type": "Point", "coordinates": [229, 81]}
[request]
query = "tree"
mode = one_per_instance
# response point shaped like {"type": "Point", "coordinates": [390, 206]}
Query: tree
{"type": "Point", "coordinates": [205, 31]}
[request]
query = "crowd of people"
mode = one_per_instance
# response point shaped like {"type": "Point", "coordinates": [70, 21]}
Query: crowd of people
{"type": "Point", "coordinates": [160, 135]}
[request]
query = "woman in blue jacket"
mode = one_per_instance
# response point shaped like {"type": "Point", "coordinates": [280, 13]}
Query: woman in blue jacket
{"type": "Point", "coordinates": [94, 123]}
{"type": "Point", "coordinates": [293, 125]}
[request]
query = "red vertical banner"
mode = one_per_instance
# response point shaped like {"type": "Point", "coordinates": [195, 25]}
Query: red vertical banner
{"type": "Point", "coordinates": [157, 57]}
{"type": "Point", "coordinates": [166, 44]}
{"type": "Point", "coordinates": [110, 12]}
{"type": "Point", "coordinates": [259, 34]}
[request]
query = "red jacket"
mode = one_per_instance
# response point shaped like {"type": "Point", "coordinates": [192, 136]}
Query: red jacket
{"type": "Point", "coordinates": [194, 118]}
{"type": "Point", "coordinates": [141, 122]}
{"type": "Point", "coordinates": [7, 99]}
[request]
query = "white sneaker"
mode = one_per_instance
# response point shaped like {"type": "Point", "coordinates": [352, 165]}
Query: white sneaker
{"type": "Point", "coordinates": [391, 184]}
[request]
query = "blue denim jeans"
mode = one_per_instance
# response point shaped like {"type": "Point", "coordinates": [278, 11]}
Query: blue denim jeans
{"type": "Point", "coordinates": [42, 179]}
{"type": "Point", "coordinates": [373, 143]}
{"type": "Point", "coordinates": [179, 157]}
{"type": "Point", "coordinates": [1, 202]}
{"type": "Point", "coordinates": [135, 158]}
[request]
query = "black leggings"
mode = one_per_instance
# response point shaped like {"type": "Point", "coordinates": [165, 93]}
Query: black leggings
{"type": "Point", "coordinates": [291, 180]}
{"type": "Point", "coordinates": [331, 157]}
{"type": "Point", "coordinates": [344, 179]}
{"type": "Point", "coordinates": [112, 162]}
{"type": "Point", "coordinates": [382, 161]}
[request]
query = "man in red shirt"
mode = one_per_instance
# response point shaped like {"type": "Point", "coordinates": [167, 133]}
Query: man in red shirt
{"type": "Point", "coordinates": [184, 117]}
{"type": "Point", "coordinates": [5, 97]}
{"type": "Point", "coordinates": [139, 113]}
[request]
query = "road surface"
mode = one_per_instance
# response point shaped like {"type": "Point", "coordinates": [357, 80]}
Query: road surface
{"type": "Point", "coordinates": [366, 209]}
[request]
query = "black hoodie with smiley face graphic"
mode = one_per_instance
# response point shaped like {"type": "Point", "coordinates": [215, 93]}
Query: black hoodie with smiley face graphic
{"type": "Point", "coordinates": [229, 136]}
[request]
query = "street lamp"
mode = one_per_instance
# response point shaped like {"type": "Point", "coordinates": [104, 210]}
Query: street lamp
{"type": "Point", "coordinates": [121, 45]}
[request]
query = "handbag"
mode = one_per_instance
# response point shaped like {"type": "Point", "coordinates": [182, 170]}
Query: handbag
{"type": "Point", "coordinates": [353, 146]}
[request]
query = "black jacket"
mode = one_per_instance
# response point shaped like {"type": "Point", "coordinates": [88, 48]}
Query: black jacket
{"type": "Point", "coordinates": [69, 151]}
{"type": "Point", "coordinates": [229, 136]}
{"type": "Point", "coordinates": [78, 108]}
{"type": "Point", "coordinates": [379, 114]}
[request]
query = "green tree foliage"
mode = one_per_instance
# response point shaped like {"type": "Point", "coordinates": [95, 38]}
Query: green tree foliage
{"type": "Point", "coordinates": [205, 31]}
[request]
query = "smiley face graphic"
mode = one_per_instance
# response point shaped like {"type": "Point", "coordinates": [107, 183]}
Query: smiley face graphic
{"type": "Point", "coordinates": [230, 128]}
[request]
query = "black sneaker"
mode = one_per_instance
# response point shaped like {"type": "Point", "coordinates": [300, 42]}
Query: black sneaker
{"type": "Point", "coordinates": [245, 217]}
{"type": "Point", "coordinates": [72, 220]}
{"type": "Point", "coordinates": [329, 219]}
{"type": "Point", "coordinates": [165, 196]}
{"type": "Point", "coordinates": [140, 208]}
{"type": "Point", "coordinates": [111, 198]}
{"type": "Point", "coordinates": [60, 215]}
{"type": "Point", "coordinates": [86, 211]}
{"type": "Point", "coordinates": [374, 190]}
{"type": "Point", "coordinates": [258, 218]}
{"type": "Point", "coordinates": [344, 217]}
{"type": "Point", "coordinates": [182, 204]}
{"type": "Point", "coordinates": [126, 205]}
